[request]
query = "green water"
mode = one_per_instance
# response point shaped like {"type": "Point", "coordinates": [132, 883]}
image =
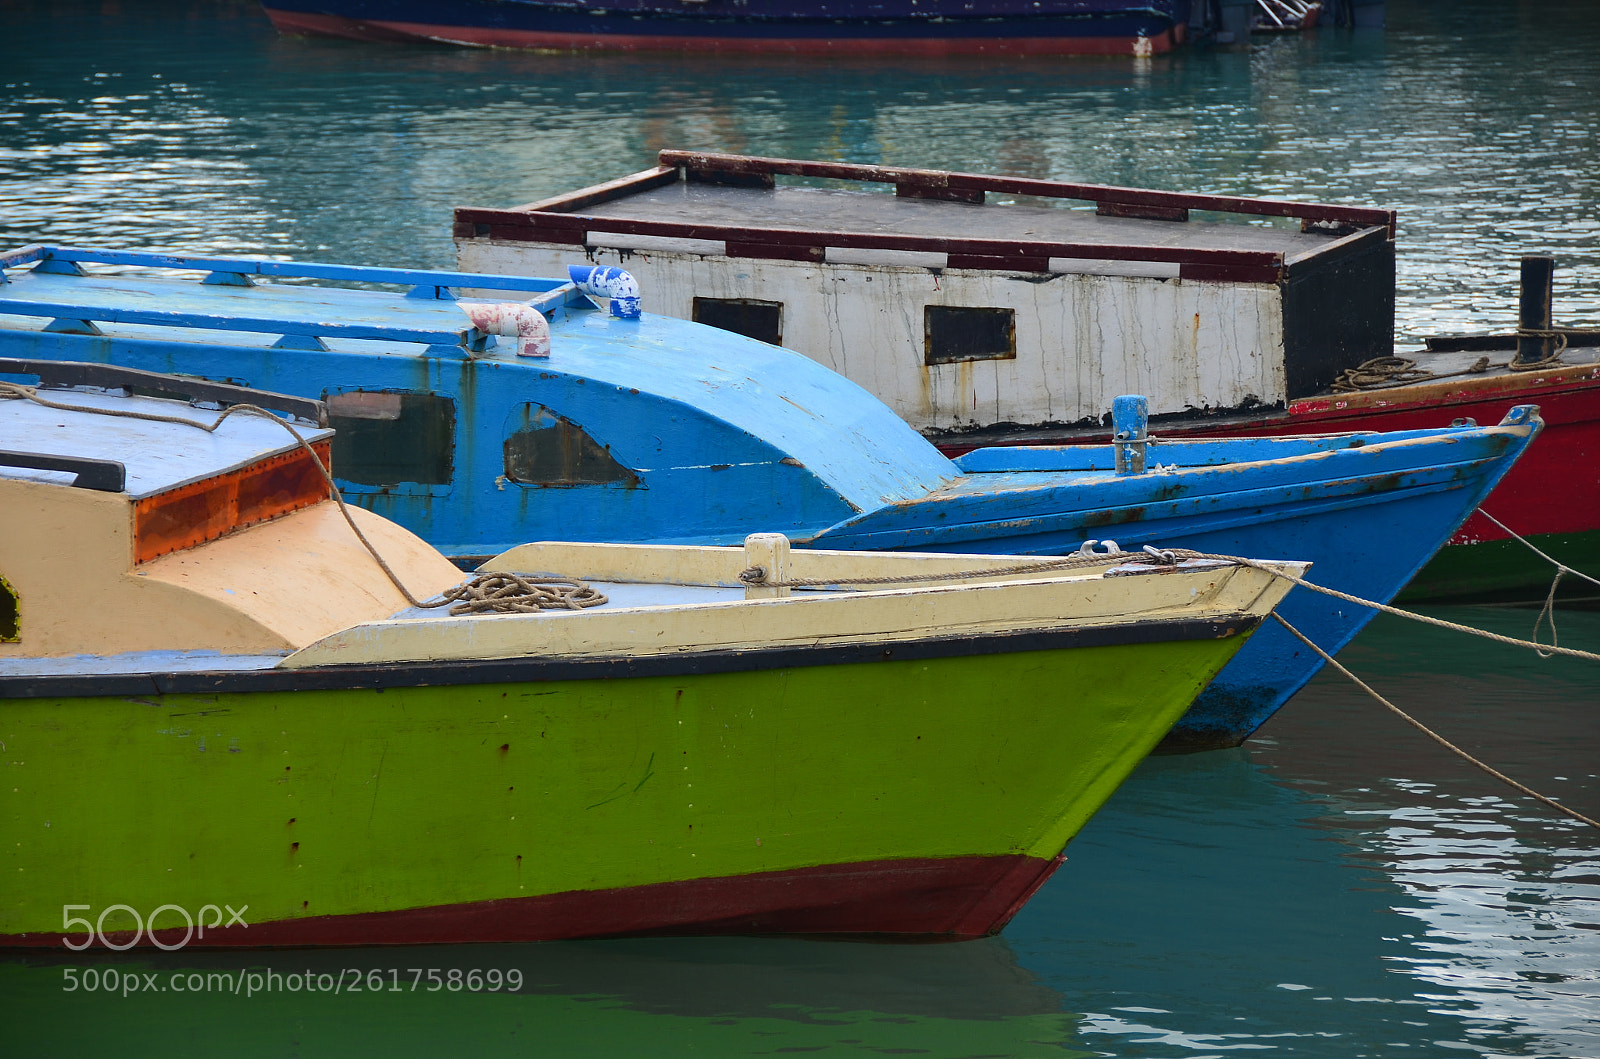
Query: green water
{"type": "Point", "coordinates": [1339, 888]}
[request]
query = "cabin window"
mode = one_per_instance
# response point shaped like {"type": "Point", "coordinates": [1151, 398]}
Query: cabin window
{"type": "Point", "coordinates": [10, 613]}
{"type": "Point", "coordinates": [957, 332]}
{"type": "Point", "coordinates": [543, 448]}
{"type": "Point", "coordinates": [743, 316]}
{"type": "Point", "coordinates": [386, 438]}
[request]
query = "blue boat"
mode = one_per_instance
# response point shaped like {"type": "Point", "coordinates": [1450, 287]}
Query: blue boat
{"type": "Point", "coordinates": [567, 414]}
{"type": "Point", "coordinates": [825, 27]}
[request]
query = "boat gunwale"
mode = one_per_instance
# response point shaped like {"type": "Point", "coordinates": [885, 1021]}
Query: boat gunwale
{"type": "Point", "coordinates": [536, 669]}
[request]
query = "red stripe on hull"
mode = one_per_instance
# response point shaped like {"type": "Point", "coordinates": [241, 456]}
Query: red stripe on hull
{"type": "Point", "coordinates": [945, 897]}
{"type": "Point", "coordinates": [1553, 488]}
{"type": "Point", "coordinates": [301, 23]}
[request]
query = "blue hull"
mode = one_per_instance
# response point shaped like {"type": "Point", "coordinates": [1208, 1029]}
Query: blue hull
{"type": "Point", "coordinates": [659, 430]}
{"type": "Point", "coordinates": [831, 26]}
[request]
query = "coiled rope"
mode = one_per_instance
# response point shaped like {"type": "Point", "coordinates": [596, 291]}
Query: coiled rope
{"type": "Point", "coordinates": [482, 594]}
{"type": "Point", "coordinates": [1381, 373]}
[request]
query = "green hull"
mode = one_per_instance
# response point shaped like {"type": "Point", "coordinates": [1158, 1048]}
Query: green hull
{"type": "Point", "coordinates": [310, 807]}
{"type": "Point", "coordinates": [1506, 571]}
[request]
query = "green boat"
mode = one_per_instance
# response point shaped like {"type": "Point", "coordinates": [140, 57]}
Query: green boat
{"type": "Point", "coordinates": [225, 725]}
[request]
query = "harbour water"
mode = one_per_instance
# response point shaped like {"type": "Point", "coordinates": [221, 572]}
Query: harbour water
{"type": "Point", "coordinates": [1340, 887]}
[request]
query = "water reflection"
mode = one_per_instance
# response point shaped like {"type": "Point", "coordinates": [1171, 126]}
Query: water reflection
{"type": "Point", "coordinates": [190, 123]}
{"type": "Point", "coordinates": [659, 997]}
{"type": "Point", "coordinates": [1341, 888]}
{"type": "Point", "coordinates": [1502, 896]}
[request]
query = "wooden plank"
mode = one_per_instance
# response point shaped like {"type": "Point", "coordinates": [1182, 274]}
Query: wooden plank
{"type": "Point", "coordinates": [301, 269]}
{"type": "Point", "coordinates": [226, 322]}
{"type": "Point", "coordinates": [776, 251]}
{"type": "Point", "coordinates": [944, 194]}
{"type": "Point", "coordinates": [23, 255]}
{"type": "Point", "coordinates": [1128, 209]}
{"type": "Point", "coordinates": [1221, 273]}
{"type": "Point", "coordinates": [643, 180]}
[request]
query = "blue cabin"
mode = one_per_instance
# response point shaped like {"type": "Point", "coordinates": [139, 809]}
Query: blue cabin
{"type": "Point", "coordinates": [486, 411]}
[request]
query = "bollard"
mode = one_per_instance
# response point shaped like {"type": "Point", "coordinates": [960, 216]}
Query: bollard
{"type": "Point", "coordinates": [770, 551]}
{"type": "Point", "coordinates": [1533, 308]}
{"type": "Point", "coordinates": [1130, 421]}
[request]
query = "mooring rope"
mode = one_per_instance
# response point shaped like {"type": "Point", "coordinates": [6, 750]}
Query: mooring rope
{"type": "Point", "coordinates": [1547, 613]}
{"type": "Point", "coordinates": [1560, 566]}
{"type": "Point", "coordinates": [482, 594]}
{"type": "Point", "coordinates": [1544, 649]}
{"type": "Point", "coordinates": [1431, 734]}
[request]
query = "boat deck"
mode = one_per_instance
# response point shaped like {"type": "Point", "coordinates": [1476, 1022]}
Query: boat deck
{"type": "Point", "coordinates": [832, 210]}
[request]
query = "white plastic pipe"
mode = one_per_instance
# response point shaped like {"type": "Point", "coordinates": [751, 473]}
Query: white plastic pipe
{"type": "Point", "coordinates": [523, 322]}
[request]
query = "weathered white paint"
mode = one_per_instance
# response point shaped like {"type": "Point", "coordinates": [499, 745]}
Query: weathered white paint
{"type": "Point", "coordinates": [1085, 333]}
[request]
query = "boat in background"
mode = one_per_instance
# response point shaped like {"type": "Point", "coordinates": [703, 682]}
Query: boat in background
{"type": "Point", "coordinates": [988, 322]}
{"type": "Point", "coordinates": [879, 27]}
{"type": "Point", "coordinates": [685, 740]}
{"type": "Point", "coordinates": [616, 424]}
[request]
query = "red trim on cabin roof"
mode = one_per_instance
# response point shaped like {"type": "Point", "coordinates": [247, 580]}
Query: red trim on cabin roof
{"type": "Point", "coordinates": [205, 510]}
{"type": "Point", "coordinates": [948, 897]}
{"type": "Point", "coordinates": [571, 229]}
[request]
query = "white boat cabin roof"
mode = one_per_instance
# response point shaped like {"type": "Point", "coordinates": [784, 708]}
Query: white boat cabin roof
{"type": "Point", "coordinates": [157, 456]}
{"type": "Point", "coordinates": [837, 210]}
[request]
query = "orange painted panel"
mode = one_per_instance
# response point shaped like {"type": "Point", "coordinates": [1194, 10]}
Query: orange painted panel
{"type": "Point", "coordinates": [201, 511]}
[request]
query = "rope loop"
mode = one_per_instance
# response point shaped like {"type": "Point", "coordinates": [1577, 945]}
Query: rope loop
{"type": "Point", "coordinates": [518, 594]}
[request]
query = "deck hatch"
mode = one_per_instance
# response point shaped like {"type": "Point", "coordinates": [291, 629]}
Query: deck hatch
{"type": "Point", "coordinates": [543, 448]}
{"type": "Point", "coordinates": [751, 317]}
{"type": "Point", "coordinates": [954, 333]}
{"type": "Point", "coordinates": [387, 437]}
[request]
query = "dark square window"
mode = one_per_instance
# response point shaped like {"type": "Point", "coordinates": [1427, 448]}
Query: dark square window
{"type": "Point", "coordinates": [957, 332]}
{"type": "Point", "coordinates": [743, 316]}
{"type": "Point", "coordinates": [387, 438]}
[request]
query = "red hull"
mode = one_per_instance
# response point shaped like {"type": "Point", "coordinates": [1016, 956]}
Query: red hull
{"type": "Point", "coordinates": [945, 897]}
{"type": "Point", "coordinates": [307, 24]}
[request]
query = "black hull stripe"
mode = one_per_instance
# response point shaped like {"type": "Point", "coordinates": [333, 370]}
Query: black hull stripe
{"type": "Point", "coordinates": [543, 670]}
